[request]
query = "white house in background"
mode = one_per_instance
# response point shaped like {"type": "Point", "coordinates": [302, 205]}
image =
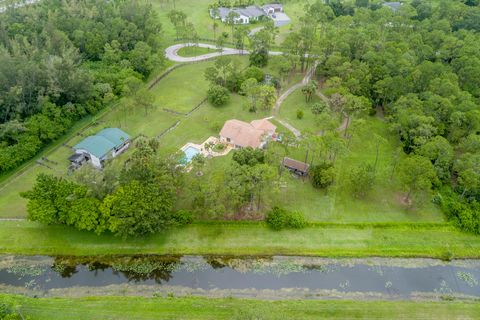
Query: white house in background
{"type": "Point", "coordinates": [244, 15]}
{"type": "Point", "coordinates": [242, 134]}
{"type": "Point", "coordinates": [272, 8]}
{"type": "Point", "coordinates": [106, 144]}
{"type": "Point", "coordinates": [249, 14]}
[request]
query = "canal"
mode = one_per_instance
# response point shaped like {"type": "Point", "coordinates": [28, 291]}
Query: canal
{"type": "Point", "coordinates": [288, 277]}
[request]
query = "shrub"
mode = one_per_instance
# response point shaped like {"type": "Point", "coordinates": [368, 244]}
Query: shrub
{"type": "Point", "coordinates": [183, 217]}
{"type": "Point", "coordinates": [279, 218]}
{"type": "Point", "coordinates": [465, 215]}
{"type": "Point", "coordinates": [218, 95]}
{"type": "Point", "coordinates": [296, 220]}
{"type": "Point", "coordinates": [322, 175]}
{"type": "Point", "coordinates": [299, 114]}
{"type": "Point", "coordinates": [255, 73]}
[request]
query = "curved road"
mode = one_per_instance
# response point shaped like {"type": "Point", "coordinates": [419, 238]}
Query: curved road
{"type": "Point", "coordinates": [171, 52]}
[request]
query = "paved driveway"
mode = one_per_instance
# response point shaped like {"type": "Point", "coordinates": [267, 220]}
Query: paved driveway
{"type": "Point", "coordinates": [171, 52]}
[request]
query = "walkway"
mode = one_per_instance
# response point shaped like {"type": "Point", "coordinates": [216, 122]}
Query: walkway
{"type": "Point", "coordinates": [293, 130]}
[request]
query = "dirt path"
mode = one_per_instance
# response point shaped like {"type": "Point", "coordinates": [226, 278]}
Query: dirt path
{"type": "Point", "coordinates": [289, 91]}
{"type": "Point", "coordinates": [284, 96]}
{"type": "Point", "coordinates": [323, 97]}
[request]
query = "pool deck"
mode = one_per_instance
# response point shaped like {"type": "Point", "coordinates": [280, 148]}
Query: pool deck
{"type": "Point", "coordinates": [207, 152]}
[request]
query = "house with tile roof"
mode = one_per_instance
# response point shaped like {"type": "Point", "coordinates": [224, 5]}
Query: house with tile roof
{"type": "Point", "coordinates": [104, 145]}
{"type": "Point", "coordinates": [242, 134]}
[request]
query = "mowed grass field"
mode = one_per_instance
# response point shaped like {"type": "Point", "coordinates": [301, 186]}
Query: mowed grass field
{"type": "Point", "coordinates": [254, 238]}
{"type": "Point", "coordinates": [239, 309]}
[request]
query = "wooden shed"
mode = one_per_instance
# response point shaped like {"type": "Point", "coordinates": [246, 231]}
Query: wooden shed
{"type": "Point", "coordinates": [295, 166]}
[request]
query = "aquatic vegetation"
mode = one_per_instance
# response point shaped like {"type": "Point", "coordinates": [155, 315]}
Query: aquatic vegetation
{"type": "Point", "coordinates": [344, 285]}
{"type": "Point", "coordinates": [192, 266]}
{"type": "Point", "coordinates": [445, 292]}
{"type": "Point", "coordinates": [468, 278]}
{"type": "Point", "coordinates": [23, 270]}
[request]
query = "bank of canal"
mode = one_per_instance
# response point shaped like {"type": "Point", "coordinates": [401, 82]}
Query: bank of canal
{"type": "Point", "coordinates": [260, 277]}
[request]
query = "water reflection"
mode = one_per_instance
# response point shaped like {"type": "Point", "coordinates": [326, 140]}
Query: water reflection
{"type": "Point", "coordinates": [390, 277]}
{"type": "Point", "coordinates": [133, 268]}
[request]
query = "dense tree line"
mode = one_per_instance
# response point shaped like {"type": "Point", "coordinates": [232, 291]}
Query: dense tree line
{"type": "Point", "coordinates": [62, 60]}
{"type": "Point", "coordinates": [420, 67]}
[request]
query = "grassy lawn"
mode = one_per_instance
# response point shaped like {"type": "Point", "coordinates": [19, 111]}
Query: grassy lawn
{"type": "Point", "coordinates": [230, 308]}
{"type": "Point", "coordinates": [294, 103]}
{"type": "Point", "coordinates": [428, 240]}
{"type": "Point", "coordinates": [197, 13]}
{"type": "Point", "coordinates": [195, 51]}
{"type": "Point", "coordinates": [337, 203]}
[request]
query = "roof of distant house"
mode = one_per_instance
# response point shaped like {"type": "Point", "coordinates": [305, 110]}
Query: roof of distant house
{"type": "Point", "coordinates": [103, 142]}
{"type": "Point", "coordinates": [246, 134]}
{"type": "Point", "coordinates": [295, 164]}
{"type": "Point", "coordinates": [223, 12]}
{"type": "Point", "coordinates": [273, 5]}
{"type": "Point", "coordinates": [393, 5]}
{"type": "Point", "coordinates": [251, 11]}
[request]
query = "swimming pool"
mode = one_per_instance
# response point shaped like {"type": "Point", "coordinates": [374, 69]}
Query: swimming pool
{"type": "Point", "coordinates": [190, 152]}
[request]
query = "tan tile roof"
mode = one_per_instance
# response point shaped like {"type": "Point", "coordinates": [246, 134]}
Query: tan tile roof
{"type": "Point", "coordinates": [244, 134]}
{"type": "Point", "coordinates": [264, 125]}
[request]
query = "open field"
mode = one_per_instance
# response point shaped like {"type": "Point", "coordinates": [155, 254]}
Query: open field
{"type": "Point", "coordinates": [328, 240]}
{"type": "Point", "coordinates": [202, 308]}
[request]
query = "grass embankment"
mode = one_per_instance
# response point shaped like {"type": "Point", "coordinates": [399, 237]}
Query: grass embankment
{"type": "Point", "coordinates": [332, 240]}
{"type": "Point", "coordinates": [204, 308]}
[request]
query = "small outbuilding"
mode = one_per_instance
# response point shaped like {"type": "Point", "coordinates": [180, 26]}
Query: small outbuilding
{"type": "Point", "coordinates": [298, 167]}
{"type": "Point", "coordinates": [106, 144]}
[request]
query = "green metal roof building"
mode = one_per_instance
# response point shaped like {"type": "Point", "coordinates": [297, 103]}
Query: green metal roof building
{"type": "Point", "coordinates": [106, 143]}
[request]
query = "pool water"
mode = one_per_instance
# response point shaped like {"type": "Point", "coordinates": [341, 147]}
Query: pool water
{"type": "Point", "coordinates": [190, 152]}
